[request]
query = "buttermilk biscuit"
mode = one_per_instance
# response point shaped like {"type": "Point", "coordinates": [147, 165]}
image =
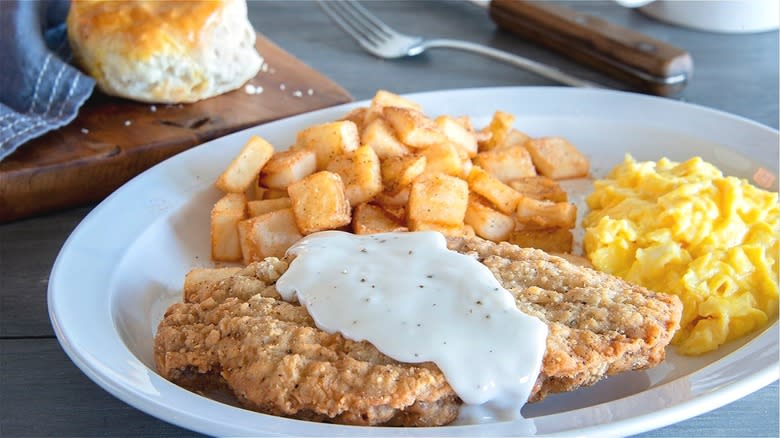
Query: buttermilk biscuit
{"type": "Point", "coordinates": [164, 51]}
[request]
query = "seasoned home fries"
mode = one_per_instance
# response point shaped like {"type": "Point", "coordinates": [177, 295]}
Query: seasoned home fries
{"type": "Point", "coordinates": [389, 167]}
{"type": "Point", "coordinates": [684, 228]}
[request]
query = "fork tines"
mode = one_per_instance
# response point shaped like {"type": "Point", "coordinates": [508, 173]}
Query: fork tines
{"type": "Point", "coordinates": [354, 19]}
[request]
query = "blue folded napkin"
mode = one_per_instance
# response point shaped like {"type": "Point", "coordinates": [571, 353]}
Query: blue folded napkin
{"type": "Point", "coordinates": [39, 89]}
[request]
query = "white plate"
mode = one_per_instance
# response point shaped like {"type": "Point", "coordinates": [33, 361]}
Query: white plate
{"type": "Point", "coordinates": [124, 264]}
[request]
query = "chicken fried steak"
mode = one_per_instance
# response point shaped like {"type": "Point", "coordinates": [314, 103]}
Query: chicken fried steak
{"type": "Point", "coordinates": [237, 332]}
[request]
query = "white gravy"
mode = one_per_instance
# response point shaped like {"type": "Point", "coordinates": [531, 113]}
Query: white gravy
{"type": "Point", "coordinates": [417, 301]}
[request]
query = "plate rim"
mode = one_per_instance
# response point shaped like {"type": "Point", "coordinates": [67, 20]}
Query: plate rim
{"type": "Point", "coordinates": [179, 416]}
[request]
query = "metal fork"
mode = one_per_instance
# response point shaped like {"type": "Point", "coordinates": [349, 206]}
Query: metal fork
{"type": "Point", "coordinates": [385, 42]}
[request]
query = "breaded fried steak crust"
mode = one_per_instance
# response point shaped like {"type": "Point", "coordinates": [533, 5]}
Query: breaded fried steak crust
{"type": "Point", "coordinates": [599, 325]}
{"type": "Point", "coordinates": [237, 333]}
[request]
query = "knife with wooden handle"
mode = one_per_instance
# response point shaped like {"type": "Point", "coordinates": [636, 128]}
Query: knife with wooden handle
{"type": "Point", "coordinates": [646, 63]}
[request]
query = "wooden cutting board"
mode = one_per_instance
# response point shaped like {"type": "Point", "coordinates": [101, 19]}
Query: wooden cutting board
{"type": "Point", "coordinates": [114, 139]}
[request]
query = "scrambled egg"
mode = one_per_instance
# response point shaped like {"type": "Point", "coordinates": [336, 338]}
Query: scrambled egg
{"type": "Point", "coordinates": [684, 228]}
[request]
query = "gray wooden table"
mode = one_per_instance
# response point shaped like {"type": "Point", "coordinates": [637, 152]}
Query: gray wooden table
{"type": "Point", "coordinates": [43, 394]}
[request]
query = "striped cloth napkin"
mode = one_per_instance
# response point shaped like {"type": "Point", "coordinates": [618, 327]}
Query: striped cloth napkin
{"type": "Point", "coordinates": [39, 89]}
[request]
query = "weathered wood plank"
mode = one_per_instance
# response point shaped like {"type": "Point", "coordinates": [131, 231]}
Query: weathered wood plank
{"type": "Point", "coordinates": [28, 249]}
{"type": "Point", "coordinates": [43, 394]}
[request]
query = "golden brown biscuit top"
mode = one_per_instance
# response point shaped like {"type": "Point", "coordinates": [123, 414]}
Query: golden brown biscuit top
{"type": "Point", "coordinates": [142, 27]}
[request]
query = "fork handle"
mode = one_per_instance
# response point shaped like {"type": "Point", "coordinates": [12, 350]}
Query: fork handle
{"type": "Point", "coordinates": [517, 61]}
{"type": "Point", "coordinates": [646, 63]}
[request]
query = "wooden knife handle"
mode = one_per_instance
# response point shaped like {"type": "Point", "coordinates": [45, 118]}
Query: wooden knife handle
{"type": "Point", "coordinates": [647, 64]}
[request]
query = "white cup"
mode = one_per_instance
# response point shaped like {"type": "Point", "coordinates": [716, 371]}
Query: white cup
{"type": "Point", "coordinates": [727, 16]}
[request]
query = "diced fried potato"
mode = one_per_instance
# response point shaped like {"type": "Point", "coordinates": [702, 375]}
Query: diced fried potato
{"type": "Point", "coordinates": [329, 140]}
{"type": "Point", "coordinates": [257, 208]}
{"type": "Point", "coordinates": [284, 168]}
{"type": "Point", "coordinates": [534, 214]}
{"type": "Point", "coordinates": [442, 158]}
{"type": "Point", "coordinates": [384, 98]}
{"type": "Point", "coordinates": [319, 202]}
{"type": "Point", "coordinates": [465, 123]}
{"type": "Point", "coordinates": [467, 166]}
{"type": "Point", "coordinates": [357, 116]}
{"type": "Point", "coordinates": [412, 127]}
{"type": "Point", "coordinates": [506, 163]}
{"type": "Point", "coordinates": [515, 138]}
{"type": "Point", "coordinates": [225, 214]}
{"type": "Point", "coordinates": [437, 199]}
{"type": "Point", "coordinates": [250, 252]}
{"type": "Point", "coordinates": [397, 211]}
{"type": "Point", "coordinates": [556, 158]}
{"type": "Point", "coordinates": [268, 235]}
{"type": "Point", "coordinates": [487, 222]}
{"type": "Point", "coordinates": [462, 138]}
{"type": "Point", "coordinates": [539, 187]}
{"type": "Point", "coordinates": [340, 165]}
{"type": "Point", "coordinates": [197, 278]}
{"type": "Point", "coordinates": [482, 137]}
{"type": "Point", "coordinates": [447, 230]}
{"type": "Point", "coordinates": [479, 136]}
{"type": "Point", "coordinates": [255, 190]}
{"type": "Point", "coordinates": [399, 172]}
{"type": "Point", "coordinates": [242, 171]}
{"type": "Point", "coordinates": [389, 201]}
{"type": "Point", "coordinates": [372, 219]}
{"type": "Point", "coordinates": [360, 173]}
{"type": "Point", "coordinates": [275, 232]}
{"type": "Point", "coordinates": [275, 193]}
{"type": "Point", "coordinates": [503, 197]}
{"type": "Point", "coordinates": [552, 240]}
{"type": "Point", "coordinates": [380, 137]}
{"type": "Point", "coordinates": [389, 167]}
{"type": "Point", "coordinates": [499, 127]}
